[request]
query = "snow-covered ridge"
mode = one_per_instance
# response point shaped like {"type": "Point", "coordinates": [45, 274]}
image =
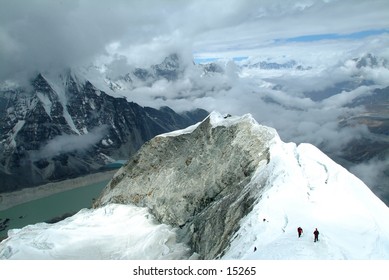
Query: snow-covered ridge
{"type": "Point", "coordinates": [232, 171]}
{"type": "Point", "coordinates": [306, 188]}
{"type": "Point", "coordinates": [216, 119]}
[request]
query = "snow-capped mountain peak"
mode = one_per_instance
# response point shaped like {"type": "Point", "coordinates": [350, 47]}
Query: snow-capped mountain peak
{"type": "Point", "coordinates": [371, 61]}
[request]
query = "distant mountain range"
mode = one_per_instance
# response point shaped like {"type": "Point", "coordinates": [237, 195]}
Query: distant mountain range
{"type": "Point", "coordinates": [63, 126]}
{"type": "Point", "coordinates": [358, 78]}
{"type": "Point", "coordinates": [170, 69]}
{"type": "Point", "coordinates": [270, 64]}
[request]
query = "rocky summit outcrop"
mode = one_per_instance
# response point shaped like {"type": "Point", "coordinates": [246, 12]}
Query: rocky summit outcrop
{"type": "Point", "coordinates": [198, 180]}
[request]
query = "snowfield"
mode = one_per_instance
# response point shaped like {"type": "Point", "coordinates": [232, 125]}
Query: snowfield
{"type": "Point", "coordinates": [111, 232]}
{"type": "Point", "coordinates": [301, 187]}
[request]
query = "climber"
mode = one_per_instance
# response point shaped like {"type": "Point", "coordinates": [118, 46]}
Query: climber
{"type": "Point", "coordinates": [316, 234]}
{"type": "Point", "coordinates": [300, 231]}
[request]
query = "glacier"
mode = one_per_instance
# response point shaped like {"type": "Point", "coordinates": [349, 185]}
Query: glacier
{"type": "Point", "coordinates": [284, 186]}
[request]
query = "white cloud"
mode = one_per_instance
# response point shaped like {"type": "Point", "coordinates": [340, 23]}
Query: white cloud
{"type": "Point", "coordinates": [371, 172]}
{"type": "Point", "coordinates": [70, 143]}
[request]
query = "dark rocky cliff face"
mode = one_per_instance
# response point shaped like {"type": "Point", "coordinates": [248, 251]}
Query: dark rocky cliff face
{"type": "Point", "coordinates": [199, 182]}
{"type": "Point", "coordinates": [55, 131]}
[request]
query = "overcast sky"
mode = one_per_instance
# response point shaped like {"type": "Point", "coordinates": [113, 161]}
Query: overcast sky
{"type": "Point", "coordinates": [41, 34]}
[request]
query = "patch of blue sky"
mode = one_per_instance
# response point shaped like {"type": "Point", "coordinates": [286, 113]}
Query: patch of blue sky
{"type": "Point", "coordinates": [240, 58]}
{"type": "Point", "coordinates": [333, 36]}
{"type": "Point", "coordinates": [205, 60]}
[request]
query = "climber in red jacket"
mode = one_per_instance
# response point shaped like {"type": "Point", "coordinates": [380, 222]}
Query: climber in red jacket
{"type": "Point", "coordinates": [299, 231]}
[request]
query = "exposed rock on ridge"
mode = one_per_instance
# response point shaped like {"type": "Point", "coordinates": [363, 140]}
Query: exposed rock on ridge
{"type": "Point", "coordinates": [197, 180]}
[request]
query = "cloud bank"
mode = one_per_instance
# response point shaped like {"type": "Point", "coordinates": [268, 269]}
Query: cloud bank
{"type": "Point", "coordinates": [44, 34]}
{"type": "Point", "coordinates": [277, 98]}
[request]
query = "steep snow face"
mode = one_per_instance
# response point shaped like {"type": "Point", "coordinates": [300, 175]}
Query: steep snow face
{"type": "Point", "coordinates": [306, 188]}
{"type": "Point", "coordinates": [222, 187]}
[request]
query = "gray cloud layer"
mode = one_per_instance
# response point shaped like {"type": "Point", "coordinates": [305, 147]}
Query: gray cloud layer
{"type": "Point", "coordinates": [38, 35]}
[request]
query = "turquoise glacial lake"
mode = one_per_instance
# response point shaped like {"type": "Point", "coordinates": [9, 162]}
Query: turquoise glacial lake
{"type": "Point", "coordinates": [50, 207]}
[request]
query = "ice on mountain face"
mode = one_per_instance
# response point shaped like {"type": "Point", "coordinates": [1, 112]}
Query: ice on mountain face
{"type": "Point", "coordinates": [110, 232]}
{"type": "Point", "coordinates": [45, 101]}
{"type": "Point", "coordinates": [15, 131]}
{"type": "Point", "coordinates": [107, 142]}
{"type": "Point", "coordinates": [57, 83]}
{"type": "Point", "coordinates": [187, 130]}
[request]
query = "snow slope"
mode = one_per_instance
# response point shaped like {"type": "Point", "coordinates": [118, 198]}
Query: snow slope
{"type": "Point", "coordinates": [111, 232]}
{"type": "Point", "coordinates": [306, 188]}
{"type": "Point", "coordinates": [300, 186]}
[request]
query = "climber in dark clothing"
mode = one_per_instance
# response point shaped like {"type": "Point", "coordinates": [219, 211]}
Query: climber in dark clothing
{"type": "Point", "coordinates": [316, 234]}
{"type": "Point", "coordinates": [299, 231]}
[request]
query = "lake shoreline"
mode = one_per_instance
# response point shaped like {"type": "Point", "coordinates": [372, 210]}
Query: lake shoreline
{"type": "Point", "coordinates": [11, 199]}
